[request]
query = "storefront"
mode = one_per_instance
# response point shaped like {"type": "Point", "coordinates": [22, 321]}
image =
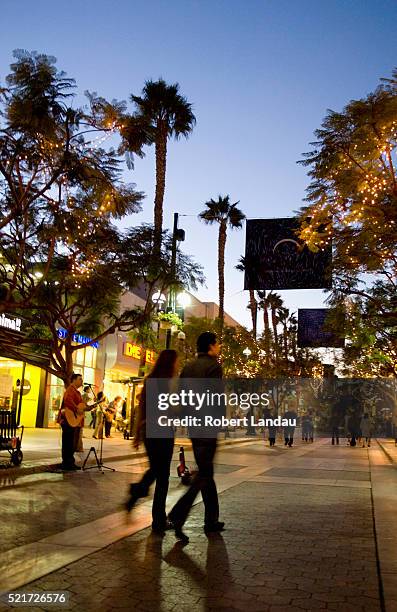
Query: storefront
{"type": "Point", "coordinates": [122, 359]}
{"type": "Point", "coordinates": [84, 363]}
{"type": "Point", "coordinates": [22, 385]}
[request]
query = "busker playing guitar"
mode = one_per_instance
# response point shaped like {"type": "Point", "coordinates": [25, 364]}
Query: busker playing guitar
{"type": "Point", "coordinates": [71, 419]}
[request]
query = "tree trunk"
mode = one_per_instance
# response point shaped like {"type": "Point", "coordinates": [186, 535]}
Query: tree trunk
{"type": "Point", "coordinates": [266, 327]}
{"type": "Point", "coordinates": [161, 164]}
{"type": "Point", "coordinates": [221, 272]}
{"type": "Point", "coordinates": [274, 324]}
{"type": "Point", "coordinates": [254, 312]}
{"type": "Point", "coordinates": [285, 334]}
{"type": "Point", "coordinates": [69, 361]}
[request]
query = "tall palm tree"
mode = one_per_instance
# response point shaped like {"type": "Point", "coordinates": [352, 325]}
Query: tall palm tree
{"type": "Point", "coordinates": [225, 214]}
{"type": "Point", "coordinates": [275, 303]}
{"type": "Point", "coordinates": [283, 317]}
{"type": "Point", "coordinates": [161, 113]}
{"type": "Point", "coordinates": [293, 331]}
{"type": "Point", "coordinates": [265, 305]}
{"type": "Point", "coordinates": [253, 304]}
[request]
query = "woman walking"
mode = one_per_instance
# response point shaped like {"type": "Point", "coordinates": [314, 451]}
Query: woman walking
{"type": "Point", "coordinates": [159, 450]}
{"type": "Point", "coordinates": [365, 427]}
{"type": "Point", "coordinates": [110, 414]}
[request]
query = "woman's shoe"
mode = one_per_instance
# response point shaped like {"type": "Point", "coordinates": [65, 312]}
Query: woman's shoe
{"type": "Point", "coordinates": [134, 496]}
{"type": "Point", "coordinates": [180, 535]}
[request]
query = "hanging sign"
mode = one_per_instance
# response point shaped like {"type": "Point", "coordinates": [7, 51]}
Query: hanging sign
{"type": "Point", "coordinates": [275, 257]}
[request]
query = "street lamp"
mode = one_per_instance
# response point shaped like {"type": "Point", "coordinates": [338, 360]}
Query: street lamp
{"type": "Point", "coordinates": [247, 352]}
{"type": "Point", "coordinates": [158, 299]}
{"type": "Point", "coordinates": [183, 300]}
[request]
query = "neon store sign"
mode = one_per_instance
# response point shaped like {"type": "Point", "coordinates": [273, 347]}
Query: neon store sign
{"type": "Point", "coordinates": [77, 338]}
{"type": "Point", "coordinates": [135, 351]}
{"type": "Point", "coordinates": [10, 322]}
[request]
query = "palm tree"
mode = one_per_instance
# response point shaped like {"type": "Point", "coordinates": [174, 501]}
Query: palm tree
{"type": "Point", "coordinates": [283, 317]}
{"type": "Point", "coordinates": [224, 213]}
{"type": "Point", "coordinates": [293, 331]}
{"type": "Point", "coordinates": [253, 304]}
{"type": "Point", "coordinates": [161, 113]}
{"type": "Point", "coordinates": [265, 305]}
{"type": "Point", "coordinates": [275, 303]}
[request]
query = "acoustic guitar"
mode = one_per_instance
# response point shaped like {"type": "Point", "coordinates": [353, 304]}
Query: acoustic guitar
{"type": "Point", "coordinates": [76, 419]}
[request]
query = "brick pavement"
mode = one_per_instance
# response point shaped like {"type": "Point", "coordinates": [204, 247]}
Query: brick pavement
{"type": "Point", "coordinates": [288, 546]}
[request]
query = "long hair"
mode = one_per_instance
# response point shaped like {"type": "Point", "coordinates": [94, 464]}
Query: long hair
{"type": "Point", "coordinates": [165, 364]}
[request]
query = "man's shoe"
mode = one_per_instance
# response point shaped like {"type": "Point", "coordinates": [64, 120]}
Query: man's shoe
{"type": "Point", "coordinates": [214, 527]}
{"type": "Point", "coordinates": [64, 468]}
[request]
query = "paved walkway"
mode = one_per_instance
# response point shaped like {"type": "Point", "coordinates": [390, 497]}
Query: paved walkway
{"type": "Point", "coordinates": [42, 450]}
{"type": "Point", "coordinates": [301, 526]}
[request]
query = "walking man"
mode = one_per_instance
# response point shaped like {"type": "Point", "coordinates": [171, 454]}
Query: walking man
{"type": "Point", "coordinates": [205, 365]}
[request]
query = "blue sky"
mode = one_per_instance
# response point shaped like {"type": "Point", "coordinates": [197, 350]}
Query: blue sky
{"type": "Point", "coordinates": [260, 75]}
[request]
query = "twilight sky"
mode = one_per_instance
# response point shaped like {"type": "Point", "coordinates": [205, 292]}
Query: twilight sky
{"type": "Point", "coordinates": [260, 75]}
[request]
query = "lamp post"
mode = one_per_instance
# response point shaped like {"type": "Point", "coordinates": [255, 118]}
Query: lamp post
{"type": "Point", "coordinates": [178, 235]}
{"type": "Point", "coordinates": [158, 299]}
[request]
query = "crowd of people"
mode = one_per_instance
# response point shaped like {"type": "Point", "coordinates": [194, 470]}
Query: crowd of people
{"type": "Point", "coordinates": [344, 419]}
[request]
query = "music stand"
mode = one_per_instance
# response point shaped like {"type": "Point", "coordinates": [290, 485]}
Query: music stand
{"type": "Point", "coordinates": [98, 460]}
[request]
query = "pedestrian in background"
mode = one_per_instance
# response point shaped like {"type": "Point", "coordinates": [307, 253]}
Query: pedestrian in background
{"type": "Point", "coordinates": [354, 428]}
{"type": "Point", "coordinates": [307, 427]}
{"type": "Point", "coordinates": [110, 414]}
{"type": "Point", "coordinates": [365, 428]}
{"type": "Point", "coordinates": [98, 431]}
{"type": "Point", "coordinates": [272, 431]}
{"type": "Point", "coordinates": [289, 429]}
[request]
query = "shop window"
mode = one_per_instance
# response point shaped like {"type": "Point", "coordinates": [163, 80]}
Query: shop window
{"type": "Point", "coordinates": [79, 357]}
{"type": "Point", "coordinates": [11, 389]}
{"type": "Point", "coordinates": [90, 357]}
{"type": "Point", "coordinates": [10, 377]}
{"type": "Point", "coordinates": [89, 375]}
{"type": "Point", "coordinates": [84, 363]}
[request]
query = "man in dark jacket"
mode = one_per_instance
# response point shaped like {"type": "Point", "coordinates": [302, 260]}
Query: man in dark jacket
{"type": "Point", "coordinates": [205, 366]}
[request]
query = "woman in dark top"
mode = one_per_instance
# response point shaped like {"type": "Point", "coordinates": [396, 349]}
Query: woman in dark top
{"type": "Point", "coordinates": [159, 450]}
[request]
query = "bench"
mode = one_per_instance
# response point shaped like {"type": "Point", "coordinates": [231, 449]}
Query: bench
{"type": "Point", "coordinates": [11, 435]}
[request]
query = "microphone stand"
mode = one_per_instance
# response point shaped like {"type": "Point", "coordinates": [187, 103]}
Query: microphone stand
{"type": "Point", "coordinates": [98, 460]}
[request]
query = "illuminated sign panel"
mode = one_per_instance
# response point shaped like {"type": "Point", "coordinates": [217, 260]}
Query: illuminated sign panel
{"type": "Point", "coordinates": [135, 351]}
{"type": "Point", "coordinates": [10, 322]}
{"type": "Point", "coordinates": [77, 338]}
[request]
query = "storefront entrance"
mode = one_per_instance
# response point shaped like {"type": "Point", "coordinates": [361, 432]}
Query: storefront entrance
{"type": "Point", "coordinates": [20, 385]}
